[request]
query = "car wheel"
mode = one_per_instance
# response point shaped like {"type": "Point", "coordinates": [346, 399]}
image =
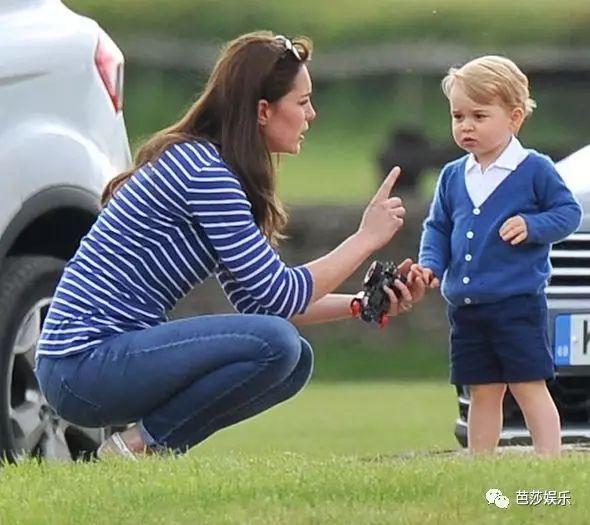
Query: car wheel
{"type": "Point", "coordinates": [28, 426]}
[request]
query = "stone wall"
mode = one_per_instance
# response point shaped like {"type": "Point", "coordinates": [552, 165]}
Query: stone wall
{"type": "Point", "coordinates": [315, 230]}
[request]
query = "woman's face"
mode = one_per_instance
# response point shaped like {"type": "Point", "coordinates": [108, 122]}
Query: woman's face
{"type": "Point", "coordinates": [283, 123]}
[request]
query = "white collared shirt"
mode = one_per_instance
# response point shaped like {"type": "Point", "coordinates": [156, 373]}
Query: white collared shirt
{"type": "Point", "coordinates": [480, 185]}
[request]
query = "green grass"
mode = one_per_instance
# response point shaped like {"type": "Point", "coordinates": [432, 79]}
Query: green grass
{"type": "Point", "coordinates": [351, 22]}
{"type": "Point", "coordinates": [408, 361]}
{"type": "Point", "coordinates": [292, 489]}
{"type": "Point", "coordinates": [348, 419]}
{"type": "Point", "coordinates": [329, 456]}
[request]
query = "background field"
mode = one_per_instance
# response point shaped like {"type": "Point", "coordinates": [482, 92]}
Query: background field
{"type": "Point", "coordinates": [357, 113]}
{"type": "Point", "coordinates": [338, 162]}
{"type": "Point", "coordinates": [352, 22]}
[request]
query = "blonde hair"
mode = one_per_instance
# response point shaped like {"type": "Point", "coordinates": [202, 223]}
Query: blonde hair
{"type": "Point", "coordinates": [490, 78]}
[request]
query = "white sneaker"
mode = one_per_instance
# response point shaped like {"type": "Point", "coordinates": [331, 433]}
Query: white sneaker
{"type": "Point", "coordinates": [115, 446]}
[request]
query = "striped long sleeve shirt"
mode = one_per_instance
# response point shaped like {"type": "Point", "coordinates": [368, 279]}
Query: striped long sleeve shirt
{"type": "Point", "coordinates": [174, 223]}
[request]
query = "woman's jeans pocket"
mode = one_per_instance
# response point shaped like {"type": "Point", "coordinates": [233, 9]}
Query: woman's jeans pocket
{"type": "Point", "coordinates": [54, 377]}
{"type": "Point", "coordinates": [75, 409]}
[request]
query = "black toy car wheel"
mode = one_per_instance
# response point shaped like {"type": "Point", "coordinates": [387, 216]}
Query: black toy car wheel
{"type": "Point", "coordinates": [28, 426]}
{"type": "Point", "coordinates": [373, 273]}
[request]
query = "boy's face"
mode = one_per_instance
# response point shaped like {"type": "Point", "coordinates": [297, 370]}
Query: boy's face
{"type": "Point", "coordinates": [482, 129]}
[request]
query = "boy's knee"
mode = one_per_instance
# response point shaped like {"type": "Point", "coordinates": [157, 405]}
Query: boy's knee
{"type": "Point", "coordinates": [528, 388]}
{"type": "Point", "coordinates": [493, 392]}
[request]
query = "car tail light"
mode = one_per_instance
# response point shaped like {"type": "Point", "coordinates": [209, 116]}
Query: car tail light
{"type": "Point", "coordinates": [109, 62]}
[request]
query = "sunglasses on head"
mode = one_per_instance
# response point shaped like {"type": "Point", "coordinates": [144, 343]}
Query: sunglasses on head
{"type": "Point", "coordinates": [288, 46]}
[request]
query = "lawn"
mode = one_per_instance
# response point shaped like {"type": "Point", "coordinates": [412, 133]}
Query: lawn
{"type": "Point", "coordinates": [336, 454]}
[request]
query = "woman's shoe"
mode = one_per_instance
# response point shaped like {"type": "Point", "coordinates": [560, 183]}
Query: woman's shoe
{"type": "Point", "coordinates": [115, 446]}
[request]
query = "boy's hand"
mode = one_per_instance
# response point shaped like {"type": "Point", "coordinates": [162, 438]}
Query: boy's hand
{"type": "Point", "coordinates": [514, 230]}
{"type": "Point", "coordinates": [426, 274]}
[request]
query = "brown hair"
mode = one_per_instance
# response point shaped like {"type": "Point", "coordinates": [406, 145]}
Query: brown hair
{"type": "Point", "coordinates": [252, 67]}
{"type": "Point", "coordinates": [490, 78]}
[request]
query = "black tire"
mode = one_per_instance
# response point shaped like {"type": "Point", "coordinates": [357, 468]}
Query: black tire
{"type": "Point", "coordinates": [28, 426]}
{"type": "Point", "coordinates": [461, 435]}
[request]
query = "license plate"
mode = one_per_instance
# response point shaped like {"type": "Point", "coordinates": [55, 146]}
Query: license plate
{"type": "Point", "coordinates": [572, 340]}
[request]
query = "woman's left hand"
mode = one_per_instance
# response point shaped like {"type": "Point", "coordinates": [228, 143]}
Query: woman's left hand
{"type": "Point", "coordinates": [409, 293]}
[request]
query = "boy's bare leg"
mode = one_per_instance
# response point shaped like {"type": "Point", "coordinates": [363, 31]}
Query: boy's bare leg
{"type": "Point", "coordinates": [485, 418]}
{"type": "Point", "coordinates": [540, 414]}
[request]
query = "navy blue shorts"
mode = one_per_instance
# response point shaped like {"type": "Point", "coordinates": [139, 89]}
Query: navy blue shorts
{"type": "Point", "coordinates": [503, 342]}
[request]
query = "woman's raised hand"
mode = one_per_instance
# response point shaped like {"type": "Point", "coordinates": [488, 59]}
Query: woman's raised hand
{"type": "Point", "coordinates": [384, 215]}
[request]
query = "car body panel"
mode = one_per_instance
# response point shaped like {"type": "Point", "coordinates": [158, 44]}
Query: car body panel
{"type": "Point", "coordinates": [58, 125]}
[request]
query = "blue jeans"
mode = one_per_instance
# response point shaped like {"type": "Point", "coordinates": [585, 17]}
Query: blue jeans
{"type": "Point", "coordinates": [182, 380]}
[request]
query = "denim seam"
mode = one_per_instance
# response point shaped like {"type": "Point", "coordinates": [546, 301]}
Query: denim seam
{"type": "Point", "coordinates": [65, 387]}
{"type": "Point", "coordinates": [211, 401]}
{"type": "Point", "coordinates": [257, 398]}
{"type": "Point", "coordinates": [196, 339]}
{"type": "Point", "coordinates": [252, 401]}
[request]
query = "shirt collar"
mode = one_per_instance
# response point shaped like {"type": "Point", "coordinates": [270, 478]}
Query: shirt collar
{"type": "Point", "coordinates": [509, 159]}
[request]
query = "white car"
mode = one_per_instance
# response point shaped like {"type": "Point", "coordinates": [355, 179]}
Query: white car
{"type": "Point", "coordinates": [62, 137]}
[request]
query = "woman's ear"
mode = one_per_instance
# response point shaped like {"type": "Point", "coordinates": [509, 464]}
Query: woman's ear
{"type": "Point", "coordinates": [263, 111]}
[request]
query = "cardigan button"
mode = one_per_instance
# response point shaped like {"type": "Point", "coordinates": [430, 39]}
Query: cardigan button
{"type": "Point", "coordinates": [469, 234]}
{"type": "Point", "coordinates": [468, 257]}
{"type": "Point", "coordinates": [466, 280]}
{"type": "Point", "coordinates": [476, 211]}
{"type": "Point", "coordinates": [467, 300]}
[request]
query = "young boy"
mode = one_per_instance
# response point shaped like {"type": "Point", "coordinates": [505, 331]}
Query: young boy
{"type": "Point", "coordinates": [494, 215]}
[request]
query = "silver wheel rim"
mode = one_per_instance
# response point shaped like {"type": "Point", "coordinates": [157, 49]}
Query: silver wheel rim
{"type": "Point", "coordinates": [36, 429]}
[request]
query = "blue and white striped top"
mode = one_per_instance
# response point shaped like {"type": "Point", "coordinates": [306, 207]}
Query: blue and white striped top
{"type": "Point", "coordinates": [171, 225]}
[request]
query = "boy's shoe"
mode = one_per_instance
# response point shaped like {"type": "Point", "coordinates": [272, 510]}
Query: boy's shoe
{"type": "Point", "coordinates": [115, 446]}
